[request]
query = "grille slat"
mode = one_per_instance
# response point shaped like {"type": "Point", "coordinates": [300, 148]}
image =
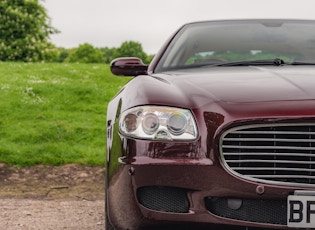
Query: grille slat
{"type": "Point", "coordinates": [267, 154]}
{"type": "Point", "coordinates": [267, 147]}
{"type": "Point", "coordinates": [268, 161]}
{"type": "Point", "coordinates": [273, 132]}
{"type": "Point", "coordinates": [284, 176]}
{"type": "Point", "coordinates": [279, 169]}
{"type": "Point", "coordinates": [274, 153]}
{"type": "Point", "coordinates": [269, 139]}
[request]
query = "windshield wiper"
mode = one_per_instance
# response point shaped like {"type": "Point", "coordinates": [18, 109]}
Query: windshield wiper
{"type": "Point", "coordinates": [275, 62]}
{"type": "Point", "coordinates": [301, 63]}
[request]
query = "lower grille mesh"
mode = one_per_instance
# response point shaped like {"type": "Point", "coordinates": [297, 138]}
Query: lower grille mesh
{"type": "Point", "coordinates": [164, 199]}
{"type": "Point", "coordinates": [274, 152]}
{"type": "Point", "coordinates": [259, 211]}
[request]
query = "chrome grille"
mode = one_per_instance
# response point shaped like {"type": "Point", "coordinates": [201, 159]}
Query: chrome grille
{"type": "Point", "coordinates": [273, 153]}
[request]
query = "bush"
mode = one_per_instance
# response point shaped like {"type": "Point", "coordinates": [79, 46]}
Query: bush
{"type": "Point", "coordinates": [85, 53]}
{"type": "Point", "coordinates": [131, 49]}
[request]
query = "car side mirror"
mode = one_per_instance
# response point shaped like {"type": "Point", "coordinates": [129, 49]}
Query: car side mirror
{"type": "Point", "coordinates": [128, 66]}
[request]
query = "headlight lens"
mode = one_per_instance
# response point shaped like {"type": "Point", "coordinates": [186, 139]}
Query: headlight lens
{"type": "Point", "coordinates": [158, 123]}
{"type": "Point", "coordinates": [130, 122]}
{"type": "Point", "coordinates": [150, 123]}
{"type": "Point", "coordinates": [177, 124]}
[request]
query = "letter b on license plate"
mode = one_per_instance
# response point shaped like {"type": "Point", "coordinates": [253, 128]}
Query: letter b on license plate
{"type": "Point", "coordinates": [301, 211]}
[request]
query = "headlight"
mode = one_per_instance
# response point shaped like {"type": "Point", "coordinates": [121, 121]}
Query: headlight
{"type": "Point", "coordinates": [158, 123]}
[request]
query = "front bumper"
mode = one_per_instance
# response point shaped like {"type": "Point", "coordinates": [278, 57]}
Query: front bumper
{"type": "Point", "coordinates": [192, 191]}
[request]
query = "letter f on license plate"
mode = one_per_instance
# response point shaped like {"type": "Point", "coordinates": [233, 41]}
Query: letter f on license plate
{"type": "Point", "coordinates": [301, 211]}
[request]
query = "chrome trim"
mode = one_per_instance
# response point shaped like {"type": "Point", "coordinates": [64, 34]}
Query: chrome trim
{"type": "Point", "coordinates": [304, 193]}
{"type": "Point", "coordinates": [266, 150]}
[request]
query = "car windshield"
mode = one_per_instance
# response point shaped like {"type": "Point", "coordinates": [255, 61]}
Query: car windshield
{"type": "Point", "coordinates": [220, 43]}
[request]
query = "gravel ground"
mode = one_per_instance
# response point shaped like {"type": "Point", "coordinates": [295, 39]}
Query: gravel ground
{"type": "Point", "coordinates": [47, 197]}
{"type": "Point", "coordinates": [51, 214]}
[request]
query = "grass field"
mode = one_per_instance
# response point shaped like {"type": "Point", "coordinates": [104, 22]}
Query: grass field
{"type": "Point", "coordinates": [54, 113]}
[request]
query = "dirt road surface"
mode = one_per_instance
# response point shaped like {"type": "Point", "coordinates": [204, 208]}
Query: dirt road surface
{"type": "Point", "coordinates": [47, 197]}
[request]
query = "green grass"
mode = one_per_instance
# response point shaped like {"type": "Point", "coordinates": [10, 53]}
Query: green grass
{"type": "Point", "coordinates": [54, 113]}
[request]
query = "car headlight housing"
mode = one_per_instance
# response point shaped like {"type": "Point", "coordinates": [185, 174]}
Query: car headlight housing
{"type": "Point", "coordinates": [158, 123]}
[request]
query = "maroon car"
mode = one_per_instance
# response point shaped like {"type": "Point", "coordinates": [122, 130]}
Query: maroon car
{"type": "Point", "coordinates": [219, 130]}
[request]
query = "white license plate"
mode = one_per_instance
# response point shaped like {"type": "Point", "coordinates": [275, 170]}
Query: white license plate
{"type": "Point", "coordinates": [301, 211]}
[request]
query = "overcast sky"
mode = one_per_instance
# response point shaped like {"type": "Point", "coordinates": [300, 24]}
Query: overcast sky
{"type": "Point", "coordinates": [108, 23]}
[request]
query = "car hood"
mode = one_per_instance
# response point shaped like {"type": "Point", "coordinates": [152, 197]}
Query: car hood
{"type": "Point", "coordinates": [244, 84]}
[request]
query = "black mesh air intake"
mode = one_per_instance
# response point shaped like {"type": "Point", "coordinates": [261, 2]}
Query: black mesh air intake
{"type": "Point", "coordinates": [261, 211]}
{"type": "Point", "coordinates": [164, 199]}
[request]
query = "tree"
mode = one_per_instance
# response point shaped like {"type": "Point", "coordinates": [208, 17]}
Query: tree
{"type": "Point", "coordinates": [85, 53]}
{"type": "Point", "coordinates": [109, 54]}
{"type": "Point", "coordinates": [25, 31]}
{"type": "Point", "coordinates": [63, 54]}
{"type": "Point", "coordinates": [131, 49]}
